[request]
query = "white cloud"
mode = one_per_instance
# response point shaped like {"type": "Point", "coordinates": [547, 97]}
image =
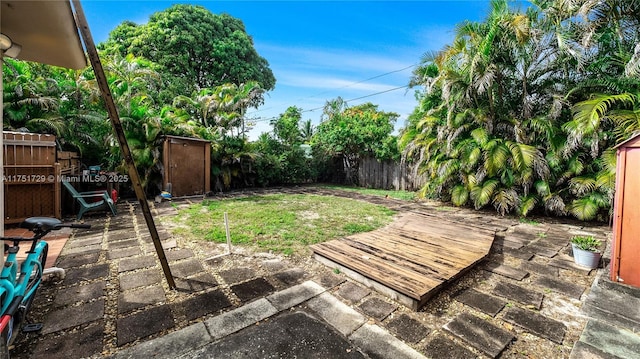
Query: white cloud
{"type": "Point", "coordinates": [320, 81]}
{"type": "Point", "coordinates": [333, 59]}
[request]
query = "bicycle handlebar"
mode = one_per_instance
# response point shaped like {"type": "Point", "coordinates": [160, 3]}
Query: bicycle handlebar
{"type": "Point", "coordinates": [77, 225]}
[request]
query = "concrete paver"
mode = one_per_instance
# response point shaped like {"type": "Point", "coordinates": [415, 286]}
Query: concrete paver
{"type": "Point", "coordinates": [582, 350]}
{"type": "Point", "coordinates": [540, 268]}
{"type": "Point", "coordinates": [293, 296]}
{"type": "Point", "coordinates": [408, 329]}
{"type": "Point", "coordinates": [342, 317]}
{"type": "Point", "coordinates": [377, 308]}
{"type": "Point", "coordinates": [290, 276]}
{"type": "Point", "coordinates": [238, 319]}
{"type": "Point", "coordinates": [353, 292]}
{"type": "Point", "coordinates": [505, 270]}
{"type": "Point", "coordinates": [70, 317]}
{"type": "Point", "coordinates": [144, 323]}
{"type": "Point", "coordinates": [139, 262]}
{"type": "Point", "coordinates": [288, 335]}
{"type": "Point", "coordinates": [614, 341]}
{"type": "Point", "coordinates": [77, 260]}
{"type": "Point", "coordinates": [169, 346]}
{"type": "Point", "coordinates": [75, 275]}
{"type": "Point", "coordinates": [204, 303]}
{"type": "Point", "coordinates": [521, 295]}
{"type": "Point", "coordinates": [483, 302]}
{"type": "Point", "coordinates": [237, 275]}
{"type": "Point", "coordinates": [138, 298]}
{"type": "Point", "coordinates": [536, 324]}
{"type": "Point", "coordinates": [139, 279]}
{"type": "Point", "coordinates": [123, 243]}
{"type": "Point", "coordinates": [197, 283]}
{"type": "Point", "coordinates": [252, 289]}
{"type": "Point", "coordinates": [480, 334]}
{"type": "Point", "coordinates": [94, 248]}
{"type": "Point", "coordinates": [442, 347]}
{"type": "Point", "coordinates": [88, 241]}
{"type": "Point", "coordinates": [177, 254]}
{"type": "Point", "coordinates": [613, 307]}
{"type": "Point", "coordinates": [330, 280]}
{"type": "Point", "coordinates": [80, 293]}
{"type": "Point", "coordinates": [87, 341]}
{"type": "Point", "coordinates": [186, 268]}
{"type": "Point", "coordinates": [378, 343]}
{"type": "Point", "coordinates": [124, 252]}
{"type": "Point", "coordinates": [556, 285]}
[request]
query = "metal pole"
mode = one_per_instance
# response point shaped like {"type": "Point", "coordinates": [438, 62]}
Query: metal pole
{"type": "Point", "coordinates": [119, 131]}
{"type": "Point", "coordinates": [226, 227]}
{"type": "Point", "coordinates": [1, 151]}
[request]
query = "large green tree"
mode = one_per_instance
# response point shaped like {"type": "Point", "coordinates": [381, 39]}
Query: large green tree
{"type": "Point", "coordinates": [194, 49]}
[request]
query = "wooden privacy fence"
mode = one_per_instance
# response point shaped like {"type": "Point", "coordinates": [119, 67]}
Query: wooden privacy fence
{"type": "Point", "coordinates": [31, 186]}
{"type": "Point", "coordinates": [388, 175]}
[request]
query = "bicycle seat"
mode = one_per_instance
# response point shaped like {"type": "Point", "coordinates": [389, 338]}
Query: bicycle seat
{"type": "Point", "coordinates": [43, 223]}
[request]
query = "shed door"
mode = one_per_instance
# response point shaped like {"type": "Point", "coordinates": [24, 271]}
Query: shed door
{"type": "Point", "coordinates": [629, 270]}
{"type": "Point", "coordinates": [186, 168]}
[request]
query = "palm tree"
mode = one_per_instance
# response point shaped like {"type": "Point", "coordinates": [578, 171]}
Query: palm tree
{"type": "Point", "coordinates": [307, 131]}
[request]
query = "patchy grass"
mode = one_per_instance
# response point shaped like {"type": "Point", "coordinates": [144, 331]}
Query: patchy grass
{"type": "Point", "coordinates": [532, 222]}
{"type": "Point", "coordinates": [401, 195]}
{"type": "Point", "coordinates": [282, 223]}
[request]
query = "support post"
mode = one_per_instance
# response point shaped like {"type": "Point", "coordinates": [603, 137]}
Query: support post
{"type": "Point", "coordinates": [119, 131]}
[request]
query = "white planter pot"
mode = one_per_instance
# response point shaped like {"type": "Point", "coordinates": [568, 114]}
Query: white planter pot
{"type": "Point", "coordinates": [584, 258]}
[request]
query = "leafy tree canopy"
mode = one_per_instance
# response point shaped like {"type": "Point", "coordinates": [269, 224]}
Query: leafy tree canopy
{"type": "Point", "coordinates": [195, 47]}
{"type": "Point", "coordinates": [356, 131]}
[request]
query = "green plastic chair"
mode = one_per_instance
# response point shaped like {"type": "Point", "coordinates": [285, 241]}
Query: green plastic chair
{"type": "Point", "coordinates": [105, 202]}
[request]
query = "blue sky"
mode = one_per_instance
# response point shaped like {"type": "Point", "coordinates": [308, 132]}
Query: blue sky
{"type": "Point", "coordinates": [319, 50]}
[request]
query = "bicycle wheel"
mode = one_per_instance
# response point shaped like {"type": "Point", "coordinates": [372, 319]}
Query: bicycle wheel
{"type": "Point", "coordinates": [35, 278]}
{"type": "Point", "coordinates": [4, 348]}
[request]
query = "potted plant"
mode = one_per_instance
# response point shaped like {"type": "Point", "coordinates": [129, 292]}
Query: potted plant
{"type": "Point", "coordinates": [585, 251]}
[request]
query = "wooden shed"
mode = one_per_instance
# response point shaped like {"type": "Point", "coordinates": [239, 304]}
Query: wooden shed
{"type": "Point", "coordinates": [31, 186]}
{"type": "Point", "coordinates": [625, 258]}
{"type": "Point", "coordinates": [187, 166]}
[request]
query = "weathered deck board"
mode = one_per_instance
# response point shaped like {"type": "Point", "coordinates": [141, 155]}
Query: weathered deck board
{"type": "Point", "coordinates": [415, 255]}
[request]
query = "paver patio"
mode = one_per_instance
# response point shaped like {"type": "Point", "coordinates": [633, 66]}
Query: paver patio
{"type": "Point", "coordinates": [93, 278]}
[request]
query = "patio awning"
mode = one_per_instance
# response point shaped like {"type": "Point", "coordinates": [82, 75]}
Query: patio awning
{"type": "Point", "coordinates": [46, 30]}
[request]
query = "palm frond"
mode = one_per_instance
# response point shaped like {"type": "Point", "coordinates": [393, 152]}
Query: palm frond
{"type": "Point", "coordinates": [527, 204]}
{"type": "Point", "coordinates": [554, 204]}
{"type": "Point", "coordinates": [505, 200]}
{"type": "Point", "coordinates": [459, 195]}
{"type": "Point", "coordinates": [584, 209]}
{"type": "Point", "coordinates": [481, 194]}
{"type": "Point", "coordinates": [582, 185]}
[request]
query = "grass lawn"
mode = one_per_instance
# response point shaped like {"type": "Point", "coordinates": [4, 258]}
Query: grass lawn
{"type": "Point", "coordinates": [283, 223]}
{"type": "Point", "coordinates": [402, 195]}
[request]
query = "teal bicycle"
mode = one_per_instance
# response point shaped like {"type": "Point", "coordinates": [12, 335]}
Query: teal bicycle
{"type": "Point", "coordinates": [18, 285]}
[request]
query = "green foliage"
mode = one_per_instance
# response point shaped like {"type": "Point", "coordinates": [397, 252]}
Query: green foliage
{"type": "Point", "coordinates": [283, 158]}
{"type": "Point", "coordinates": [587, 243]}
{"type": "Point", "coordinates": [194, 49]}
{"type": "Point", "coordinates": [353, 133]}
{"type": "Point", "coordinates": [521, 110]}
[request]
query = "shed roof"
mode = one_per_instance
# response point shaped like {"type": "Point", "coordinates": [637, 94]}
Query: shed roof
{"type": "Point", "coordinates": [634, 141]}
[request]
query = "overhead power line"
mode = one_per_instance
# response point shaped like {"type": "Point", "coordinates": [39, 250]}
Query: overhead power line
{"type": "Point", "coordinates": [361, 81]}
{"type": "Point", "coordinates": [348, 85]}
{"type": "Point", "coordinates": [361, 97]}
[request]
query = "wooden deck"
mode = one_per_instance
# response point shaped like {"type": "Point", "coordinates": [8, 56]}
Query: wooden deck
{"type": "Point", "coordinates": [414, 257]}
